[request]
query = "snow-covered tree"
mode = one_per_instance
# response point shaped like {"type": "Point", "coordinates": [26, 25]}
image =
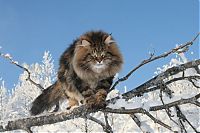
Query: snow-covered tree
{"type": "Point", "coordinates": [3, 98]}
{"type": "Point", "coordinates": [25, 92]}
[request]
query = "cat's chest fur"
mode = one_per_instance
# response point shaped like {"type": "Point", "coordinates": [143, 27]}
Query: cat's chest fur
{"type": "Point", "coordinates": [92, 82]}
{"type": "Point", "coordinates": [82, 84]}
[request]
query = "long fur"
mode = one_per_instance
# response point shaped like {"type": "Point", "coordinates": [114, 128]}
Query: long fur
{"type": "Point", "coordinates": [85, 74]}
{"type": "Point", "coordinates": [46, 100]}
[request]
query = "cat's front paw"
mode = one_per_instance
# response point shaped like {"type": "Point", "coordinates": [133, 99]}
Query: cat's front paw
{"type": "Point", "coordinates": [72, 103]}
{"type": "Point", "coordinates": [96, 101]}
{"type": "Point", "coordinates": [101, 98]}
{"type": "Point", "coordinates": [90, 101]}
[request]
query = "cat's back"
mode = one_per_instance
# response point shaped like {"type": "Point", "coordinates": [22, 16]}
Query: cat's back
{"type": "Point", "coordinates": [68, 53]}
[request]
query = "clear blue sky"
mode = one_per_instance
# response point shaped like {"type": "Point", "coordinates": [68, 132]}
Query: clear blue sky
{"type": "Point", "coordinates": [29, 27]}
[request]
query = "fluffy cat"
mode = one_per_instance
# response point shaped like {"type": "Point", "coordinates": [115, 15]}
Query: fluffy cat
{"type": "Point", "coordinates": [85, 74]}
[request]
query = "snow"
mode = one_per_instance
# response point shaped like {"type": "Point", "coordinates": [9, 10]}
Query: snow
{"type": "Point", "coordinates": [8, 56]}
{"type": "Point", "coordinates": [16, 62]}
{"type": "Point", "coordinates": [16, 103]}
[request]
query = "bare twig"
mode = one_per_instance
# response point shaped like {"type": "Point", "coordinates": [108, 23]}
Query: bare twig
{"type": "Point", "coordinates": [191, 100]}
{"type": "Point", "coordinates": [137, 121]}
{"type": "Point", "coordinates": [182, 126]}
{"type": "Point", "coordinates": [105, 127]}
{"type": "Point", "coordinates": [108, 127]}
{"type": "Point", "coordinates": [28, 130]}
{"type": "Point", "coordinates": [86, 125]}
{"type": "Point", "coordinates": [8, 57]}
{"type": "Point", "coordinates": [183, 117]}
{"type": "Point", "coordinates": [156, 120]}
{"type": "Point", "coordinates": [138, 110]}
{"type": "Point", "coordinates": [135, 118]}
{"type": "Point", "coordinates": [178, 112]}
{"type": "Point", "coordinates": [167, 110]}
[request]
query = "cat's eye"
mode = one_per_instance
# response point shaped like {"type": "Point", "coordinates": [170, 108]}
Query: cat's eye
{"type": "Point", "coordinates": [109, 53]}
{"type": "Point", "coordinates": [95, 54]}
{"type": "Point", "coordinates": [103, 54]}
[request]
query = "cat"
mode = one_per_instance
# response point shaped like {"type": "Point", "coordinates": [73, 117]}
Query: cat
{"type": "Point", "coordinates": [86, 73]}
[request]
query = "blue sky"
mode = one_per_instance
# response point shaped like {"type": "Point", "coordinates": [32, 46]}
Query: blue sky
{"type": "Point", "coordinates": [28, 28]}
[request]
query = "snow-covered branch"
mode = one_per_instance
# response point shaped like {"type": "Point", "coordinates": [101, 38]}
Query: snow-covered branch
{"type": "Point", "coordinates": [9, 57]}
{"type": "Point", "coordinates": [83, 111]}
{"type": "Point", "coordinates": [180, 49]}
{"type": "Point", "coordinates": [152, 84]}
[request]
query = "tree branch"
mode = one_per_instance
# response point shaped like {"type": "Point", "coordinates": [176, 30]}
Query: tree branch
{"type": "Point", "coordinates": [180, 49]}
{"type": "Point", "coordinates": [167, 110]}
{"type": "Point", "coordinates": [8, 57]}
{"type": "Point", "coordinates": [183, 117]}
{"type": "Point", "coordinates": [108, 127]}
{"type": "Point", "coordinates": [104, 126]}
{"type": "Point", "coordinates": [151, 85]}
{"type": "Point", "coordinates": [82, 111]}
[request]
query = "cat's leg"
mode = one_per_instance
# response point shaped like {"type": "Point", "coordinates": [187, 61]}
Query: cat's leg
{"type": "Point", "coordinates": [89, 97]}
{"type": "Point", "coordinates": [100, 96]}
{"type": "Point", "coordinates": [95, 98]}
{"type": "Point", "coordinates": [57, 107]}
{"type": "Point", "coordinates": [72, 103]}
{"type": "Point", "coordinates": [101, 92]}
{"type": "Point", "coordinates": [74, 96]}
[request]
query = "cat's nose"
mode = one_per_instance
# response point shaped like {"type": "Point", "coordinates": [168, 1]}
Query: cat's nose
{"type": "Point", "coordinates": [99, 60]}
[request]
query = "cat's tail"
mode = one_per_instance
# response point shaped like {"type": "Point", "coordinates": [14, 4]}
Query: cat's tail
{"type": "Point", "coordinates": [47, 99]}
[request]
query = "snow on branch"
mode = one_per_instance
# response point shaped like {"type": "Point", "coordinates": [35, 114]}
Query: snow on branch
{"type": "Point", "coordinates": [82, 111]}
{"type": "Point", "coordinates": [152, 84]}
{"type": "Point", "coordinates": [180, 49]}
{"type": "Point", "coordinates": [160, 84]}
{"type": "Point", "coordinates": [9, 57]}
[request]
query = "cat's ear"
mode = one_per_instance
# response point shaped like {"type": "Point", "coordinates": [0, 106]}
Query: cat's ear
{"type": "Point", "coordinates": [109, 40]}
{"type": "Point", "coordinates": [85, 43]}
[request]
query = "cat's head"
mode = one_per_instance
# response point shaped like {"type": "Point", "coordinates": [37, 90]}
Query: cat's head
{"type": "Point", "coordinates": [96, 53]}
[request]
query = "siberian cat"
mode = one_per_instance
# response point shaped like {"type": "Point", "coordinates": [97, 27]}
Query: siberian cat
{"type": "Point", "coordinates": [85, 74]}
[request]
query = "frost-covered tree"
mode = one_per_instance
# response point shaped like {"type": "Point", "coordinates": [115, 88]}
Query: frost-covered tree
{"type": "Point", "coordinates": [24, 91]}
{"type": "Point", "coordinates": [47, 70]}
{"type": "Point", "coordinates": [3, 98]}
